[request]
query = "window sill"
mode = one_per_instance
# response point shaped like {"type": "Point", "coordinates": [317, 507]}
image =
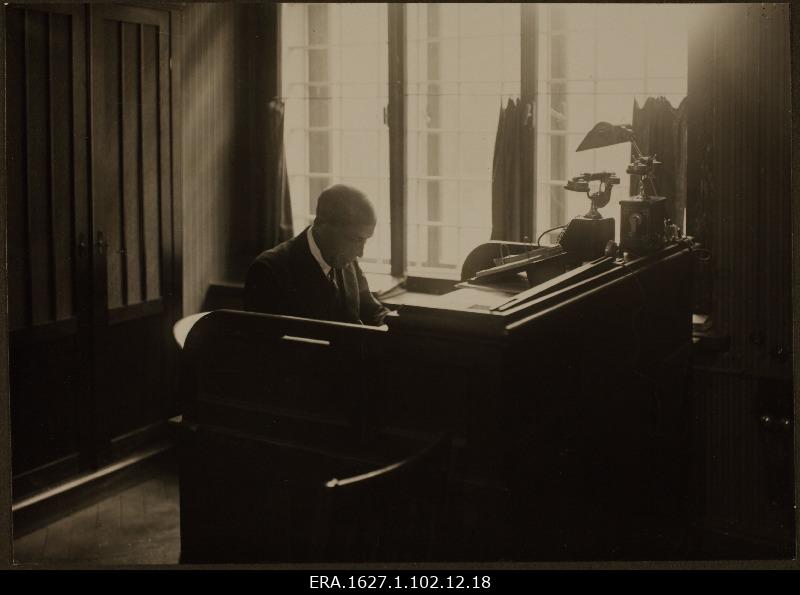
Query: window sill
{"type": "Point", "coordinates": [380, 283]}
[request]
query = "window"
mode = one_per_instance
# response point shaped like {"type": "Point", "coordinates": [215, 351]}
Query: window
{"type": "Point", "coordinates": [594, 60]}
{"type": "Point", "coordinates": [335, 81]}
{"type": "Point", "coordinates": [462, 62]}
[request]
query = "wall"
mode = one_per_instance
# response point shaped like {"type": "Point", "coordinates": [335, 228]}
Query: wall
{"type": "Point", "coordinates": [739, 89]}
{"type": "Point", "coordinates": [740, 208]}
{"type": "Point", "coordinates": [228, 60]}
{"type": "Point", "coordinates": [5, 409]}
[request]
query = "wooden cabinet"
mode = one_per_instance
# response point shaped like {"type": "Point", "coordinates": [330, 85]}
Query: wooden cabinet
{"type": "Point", "coordinates": [91, 247]}
{"type": "Point", "coordinates": [744, 463]}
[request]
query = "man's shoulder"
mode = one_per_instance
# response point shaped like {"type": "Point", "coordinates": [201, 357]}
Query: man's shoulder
{"type": "Point", "coordinates": [281, 255]}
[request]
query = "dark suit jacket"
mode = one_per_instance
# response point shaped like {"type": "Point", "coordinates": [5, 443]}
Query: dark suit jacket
{"type": "Point", "coordinates": [288, 280]}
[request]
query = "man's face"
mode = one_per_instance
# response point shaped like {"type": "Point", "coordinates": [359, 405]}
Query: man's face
{"type": "Point", "coordinates": [348, 242]}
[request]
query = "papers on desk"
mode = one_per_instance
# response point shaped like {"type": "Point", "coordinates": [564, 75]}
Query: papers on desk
{"type": "Point", "coordinates": [473, 299]}
{"type": "Point", "coordinates": [469, 298]}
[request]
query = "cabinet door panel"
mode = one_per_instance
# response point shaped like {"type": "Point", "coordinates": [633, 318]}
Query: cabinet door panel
{"type": "Point", "coordinates": [90, 248]}
{"type": "Point", "coordinates": [48, 203]}
{"type": "Point", "coordinates": [132, 207]}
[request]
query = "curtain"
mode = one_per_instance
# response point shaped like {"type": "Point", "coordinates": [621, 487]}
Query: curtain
{"type": "Point", "coordinates": [512, 173]}
{"type": "Point", "coordinates": [660, 129]}
{"type": "Point", "coordinates": [278, 206]}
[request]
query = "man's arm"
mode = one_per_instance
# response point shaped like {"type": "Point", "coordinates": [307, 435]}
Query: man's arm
{"type": "Point", "coordinates": [372, 311]}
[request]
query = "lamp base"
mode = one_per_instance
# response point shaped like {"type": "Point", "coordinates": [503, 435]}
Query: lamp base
{"type": "Point", "coordinates": [642, 224]}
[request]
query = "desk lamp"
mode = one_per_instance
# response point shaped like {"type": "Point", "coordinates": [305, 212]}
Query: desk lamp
{"type": "Point", "coordinates": [644, 223]}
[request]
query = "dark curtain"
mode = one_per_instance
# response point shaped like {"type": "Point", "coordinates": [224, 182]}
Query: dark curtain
{"type": "Point", "coordinates": [512, 173]}
{"type": "Point", "coordinates": [278, 207]}
{"type": "Point", "coordinates": [660, 129]}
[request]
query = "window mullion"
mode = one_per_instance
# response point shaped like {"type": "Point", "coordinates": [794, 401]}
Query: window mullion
{"type": "Point", "coordinates": [529, 78]}
{"type": "Point", "coordinates": [397, 136]}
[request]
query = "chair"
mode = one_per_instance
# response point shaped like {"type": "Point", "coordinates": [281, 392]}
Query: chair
{"type": "Point", "coordinates": [245, 499]}
{"type": "Point", "coordinates": [273, 407]}
{"type": "Point", "coordinates": [391, 514]}
{"type": "Point", "coordinates": [285, 378]}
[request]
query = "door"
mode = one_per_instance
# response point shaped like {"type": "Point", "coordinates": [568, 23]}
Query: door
{"type": "Point", "coordinates": [48, 256]}
{"type": "Point", "coordinates": [131, 217]}
{"type": "Point", "coordinates": [90, 233]}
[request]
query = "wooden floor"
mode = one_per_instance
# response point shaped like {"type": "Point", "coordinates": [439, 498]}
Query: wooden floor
{"type": "Point", "coordinates": [137, 525]}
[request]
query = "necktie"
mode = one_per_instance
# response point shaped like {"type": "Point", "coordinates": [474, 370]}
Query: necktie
{"type": "Point", "coordinates": [339, 275]}
{"type": "Point", "coordinates": [337, 280]}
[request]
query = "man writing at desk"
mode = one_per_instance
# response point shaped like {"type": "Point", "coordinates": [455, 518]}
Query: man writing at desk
{"type": "Point", "coordinates": [315, 274]}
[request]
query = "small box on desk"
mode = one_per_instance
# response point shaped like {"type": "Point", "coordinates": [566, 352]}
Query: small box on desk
{"type": "Point", "coordinates": [642, 223]}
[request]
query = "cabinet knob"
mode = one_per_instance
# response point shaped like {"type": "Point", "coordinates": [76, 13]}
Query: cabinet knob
{"type": "Point", "coordinates": [775, 423]}
{"type": "Point", "coordinates": [101, 242]}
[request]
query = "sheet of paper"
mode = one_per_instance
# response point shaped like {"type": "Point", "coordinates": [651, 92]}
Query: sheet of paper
{"type": "Point", "coordinates": [477, 299]}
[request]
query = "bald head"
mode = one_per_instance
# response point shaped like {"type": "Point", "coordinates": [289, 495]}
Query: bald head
{"type": "Point", "coordinates": [345, 220]}
{"type": "Point", "coordinates": [344, 205]}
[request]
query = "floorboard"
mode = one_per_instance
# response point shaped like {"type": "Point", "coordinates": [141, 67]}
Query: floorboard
{"type": "Point", "coordinates": [139, 524]}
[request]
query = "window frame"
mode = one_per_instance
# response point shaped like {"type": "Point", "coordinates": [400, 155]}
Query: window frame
{"type": "Point", "coordinates": [397, 123]}
{"type": "Point", "coordinates": [557, 211]}
{"type": "Point", "coordinates": [396, 120]}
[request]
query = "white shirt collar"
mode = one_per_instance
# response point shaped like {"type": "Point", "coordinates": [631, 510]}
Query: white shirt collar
{"type": "Point", "coordinates": [315, 251]}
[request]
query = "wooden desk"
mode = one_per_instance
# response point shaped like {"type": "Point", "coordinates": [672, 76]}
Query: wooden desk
{"type": "Point", "coordinates": [412, 298]}
{"type": "Point", "coordinates": [567, 411]}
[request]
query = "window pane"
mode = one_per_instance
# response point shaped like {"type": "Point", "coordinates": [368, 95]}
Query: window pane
{"type": "Point", "coordinates": [464, 60]}
{"type": "Point", "coordinates": [577, 161]}
{"type": "Point", "coordinates": [300, 212]}
{"type": "Point", "coordinates": [480, 20]}
{"type": "Point", "coordinates": [481, 59]}
{"type": "Point", "coordinates": [512, 46]}
{"type": "Point", "coordinates": [620, 87]}
{"type": "Point", "coordinates": [558, 57]}
{"type": "Point", "coordinates": [616, 56]}
{"type": "Point", "coordinates": [317, 65]}
{"type": "Point", "coordinates": [579, 112]}
{"type": "Point", "coordinates": [581, 53]}
{"type": "Point", "coordinates": [317, 24]}
{"type": "Point", "coordinates": [667, 52]}
{"type": "Point", "coordinates": [294, 59]}
{"type": "Point", "coordinates": [474, 210]}
{"type": "Point", "coordinates": [319, 153]}
{"type": "Point", "coordinates": [359, 64]}
{"type": "Point", "coordinates": [319, 111]}
{"type": "Point", "coordinates": [473, 151]}
{"type": "Point", "coordinates": [353, 20]}
{"type": "Point", "coordinates": [361, 113]}
{"type": "Point", "coordinates": [594, 60]}
{"type": "Point", "coordinates": [335, 87]}
{"type": "Point", "coordinates": [316, 185]}
{"type": "Point", "coordinates": [359, 154]}
{"type": "Point", "coordinates": [293, 30]}
{"type": "Point", "coordinates": [666, 86]}
{"type": "Point", "coordinates": [558, 205]}
{"type": "Point", "coordinates": [614, 108]}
